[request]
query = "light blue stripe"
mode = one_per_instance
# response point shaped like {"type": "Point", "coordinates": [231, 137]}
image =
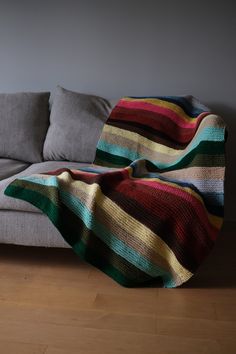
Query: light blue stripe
{"type": "Point", "coordinates": [74, 204]}
{"type": "Point", "coordinates": [108, 238]}
{"type": "Point", "coordinates": [97, 170]}
{"type": "Point", "coordinates": [51, 181]}
{"type": "Point", "coordinates": [211, 185]}
{"type": "Point", "coordinates": [214, 198]}
{"type": "Point", "coordinates": [207, 134]}
{"type": "Point", "coordinates": [118, 150]}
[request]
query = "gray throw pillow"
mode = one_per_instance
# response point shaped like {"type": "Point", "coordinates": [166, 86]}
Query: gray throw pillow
{"type": "Point", "coordinates": [76, 122]}
{"type": "Point", "coordinates": [24, 120]}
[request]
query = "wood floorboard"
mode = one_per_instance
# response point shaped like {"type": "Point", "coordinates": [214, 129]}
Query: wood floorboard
{"type": "Point", "coordinates": [53, 303]}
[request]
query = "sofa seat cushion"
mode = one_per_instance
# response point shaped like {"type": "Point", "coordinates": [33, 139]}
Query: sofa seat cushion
{"type": "Point", "coordinates": [7, 203]}
{"type": "Point", "coordinates": [29, 229]}
{"type": "Point", "coordinates": [10, 167]}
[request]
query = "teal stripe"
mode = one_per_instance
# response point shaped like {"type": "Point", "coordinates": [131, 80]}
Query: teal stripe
{"type": "Point", "coordinates": [118, 246]}
{"type": "Point", "coordinates": [119, 150]}
{"type": "Point", "coordinates": [52, 211]}
{"type": "Point", "coordinates": [213, 197]}
{"type": "Point", "coordinates": [109, 238]}
{"type": "Point", "coordinates": [207, 134]}
{"type": "Point", "coordinates": [51, 181]}
{"type": "Point", "coordinates": [133, 155]}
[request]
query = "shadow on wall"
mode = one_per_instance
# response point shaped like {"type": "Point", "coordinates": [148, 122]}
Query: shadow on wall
{"type": "Point", "coordinates": [226, 112]}
{"type": "Point", "coordinates": [229, 116]}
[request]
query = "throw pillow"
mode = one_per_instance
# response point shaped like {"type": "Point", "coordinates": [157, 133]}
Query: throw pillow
{"type": "Point", "coordinates": [76, 122]}
{"type": "Point", "coordinates": [24, 120]}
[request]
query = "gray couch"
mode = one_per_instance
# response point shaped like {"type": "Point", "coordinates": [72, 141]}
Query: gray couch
{"type": "Point", "coordinates": [35, 139]}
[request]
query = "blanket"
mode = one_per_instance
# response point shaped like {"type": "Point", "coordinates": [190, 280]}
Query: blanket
{"type": "Point", "coordinates": [151, 206]}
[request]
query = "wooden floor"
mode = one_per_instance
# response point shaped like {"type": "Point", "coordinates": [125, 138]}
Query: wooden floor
{"type": "Point", "coordinates": [52, 303]}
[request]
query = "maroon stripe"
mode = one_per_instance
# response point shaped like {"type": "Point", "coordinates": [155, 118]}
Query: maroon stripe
{"type": "Point", "coordinates": [156, 121]}
{"type": "Point", "coordinates": [155, 209]}
{"type": "Point", "coordinates": [148, 133]}
{"type": "Point", "coordinates": [149, 117]}
{"type": "Point", "coordinates": [173, 229]}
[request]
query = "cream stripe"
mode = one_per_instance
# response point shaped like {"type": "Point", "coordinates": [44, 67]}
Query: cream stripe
{"type": "Point", "coordinates": [128, 140]}
{"type": "Point", "coordinates": [113, 224]}
{"type": "Point", "coordinates": [128, 223]}
{"type": "Point", "coordinates": [188, 172]}
{"type": "Point", "coordinates": [149, 144]}
{"type": "Point", "coordinates": [198, 173]}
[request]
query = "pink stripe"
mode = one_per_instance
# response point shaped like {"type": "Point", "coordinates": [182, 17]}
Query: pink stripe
{"type": "Point", "coordinates": [162, 110]}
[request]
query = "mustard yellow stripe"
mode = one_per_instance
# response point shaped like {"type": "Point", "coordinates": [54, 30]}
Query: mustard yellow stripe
{"type": "Point", "coordinates": [157, 147]}
{"type": "Point", "coordinates": [215, 221]}
{"type": "Point", "coordinates": [105, 219]}
{"type": "Point", "coordinates": [128, 223]}
{"type": "Point", "coordinates": [151, 145]}
{"type": "Point", "coordinates": [175, 108]}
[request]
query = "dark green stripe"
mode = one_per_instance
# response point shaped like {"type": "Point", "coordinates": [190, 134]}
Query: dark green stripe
{"type": "Point", "coordinates": [113, 160]}
{"type": "Point", "coordinates": [214, 156]}
{"type": "Point", "coordinates": [35, 198]}
{"type": "Point", "coordinates": [82, 240]}
{"type": "Point", "coordinates": [89, 256]}
{"type": "Point", "coordinates": [207, 153]}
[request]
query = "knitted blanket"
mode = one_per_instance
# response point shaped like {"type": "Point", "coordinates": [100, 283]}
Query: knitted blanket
{"type": "Point", "coordinates": [152, 205]}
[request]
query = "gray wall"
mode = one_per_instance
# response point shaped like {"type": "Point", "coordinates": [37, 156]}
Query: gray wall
{"type": "Point", "coordinates": [116, 48]}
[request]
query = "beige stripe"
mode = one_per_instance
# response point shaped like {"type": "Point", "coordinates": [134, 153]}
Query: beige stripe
{"type": "Point", "coordinates": [198, 173]}
{"type": "Point", "coordinates": [90, 202]}
{"type": "Point", "coordinates": [148, 147]}
{"type": "Point", "coordinates": [111, 223]}
{"type": "Point", "coordinates": [127, 223]}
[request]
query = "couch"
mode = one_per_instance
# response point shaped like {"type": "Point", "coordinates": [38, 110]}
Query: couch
{"type": "Point", "coordinates": [151, 207]}
{"type": "Point", "coordinates": [35, 137]}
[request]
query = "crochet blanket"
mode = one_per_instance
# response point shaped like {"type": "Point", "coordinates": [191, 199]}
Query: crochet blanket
{"type": "Point", "coordinates": [152, 205]}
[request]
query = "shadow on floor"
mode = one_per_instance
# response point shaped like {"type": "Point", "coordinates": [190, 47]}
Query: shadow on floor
{"type": "Point", "coordinates": [219, 269]}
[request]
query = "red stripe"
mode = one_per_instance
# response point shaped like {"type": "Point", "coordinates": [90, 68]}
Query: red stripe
{"type": "Point", "coordinates": [160, 124]}
{"type": "Point", "coordinates": [178, 213]}
{"type": "Point", "coordinates": [198, 207]}
{"type": "Point", "coordinates": [156, 190]}
{"type": "Point", "coordinates": [177, 220]}
{"type": "Point", "coordinates": [167, 112]}
{"type": "Point", "coordinates": [147, 193]}
{"type": "Point", "coordinates": [138, 188]}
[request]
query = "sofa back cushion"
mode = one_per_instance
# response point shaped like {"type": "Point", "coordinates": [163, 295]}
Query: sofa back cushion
{"type": "Point", "coordinates": [76, 122]}
{"type": "Point", "coordinates": [24, 120]}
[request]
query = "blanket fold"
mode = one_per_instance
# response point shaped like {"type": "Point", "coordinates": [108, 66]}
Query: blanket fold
{"type": "Point", "coordinates": [151, 206]}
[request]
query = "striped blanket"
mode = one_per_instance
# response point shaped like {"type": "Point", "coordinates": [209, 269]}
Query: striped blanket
{"type": "Point", "coordinates": [152, 204]}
